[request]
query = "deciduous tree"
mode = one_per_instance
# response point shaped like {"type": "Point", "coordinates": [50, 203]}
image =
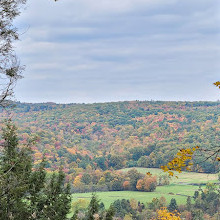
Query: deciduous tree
{"type": "Point", "coordinates": [10, 68]}
{"type": "Point", "coordinates": [164, 214]}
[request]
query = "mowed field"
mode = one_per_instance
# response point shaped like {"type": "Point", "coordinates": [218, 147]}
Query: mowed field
{"type": "Point", "coordinates": [178, 189]}
{"type": "Point", "coordinates": [168, 192]}
{"type": "Point", "coordinates": [184, 177]}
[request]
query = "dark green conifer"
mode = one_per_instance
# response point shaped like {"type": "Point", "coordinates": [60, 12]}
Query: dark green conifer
{"type": "Point", "coordinates": [27, 194]}
{"type": "Point", "coordinates": [110, 213]}
{"type": "Point", "coordinates": [57, 198]}
{"type": "Point", "coordinates": [189, 203]}
{"type": "Point", "coordinates": [93, 207]}
{"type": "Point", "coordinates": [15, 170]}
{"type": "Point", "coordinates": [173, 205]}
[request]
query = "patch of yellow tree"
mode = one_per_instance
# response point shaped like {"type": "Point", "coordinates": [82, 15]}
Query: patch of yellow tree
{"type": "Point", "coordinates": [180, 161]}
{"type": "Point", "coordinates": [164, 214]}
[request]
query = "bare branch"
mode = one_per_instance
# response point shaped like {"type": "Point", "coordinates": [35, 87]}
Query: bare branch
{"type": "Point", "coordinates": [10, 69]}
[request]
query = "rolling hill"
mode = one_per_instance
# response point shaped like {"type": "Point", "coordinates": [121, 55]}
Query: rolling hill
{"type": "Point", "coordinates": [116, 135]}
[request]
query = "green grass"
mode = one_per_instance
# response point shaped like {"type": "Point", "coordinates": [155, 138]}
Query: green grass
{"type": "Point", "coordinates": [178, 189]}
{"type": "Point", "coordinates": [109, 197]}
{"type": "Point", "coordinates": [183, 178]}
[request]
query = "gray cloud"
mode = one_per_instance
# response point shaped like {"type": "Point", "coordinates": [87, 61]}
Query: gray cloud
{"type": "Point", "coordinates": [96, 51]}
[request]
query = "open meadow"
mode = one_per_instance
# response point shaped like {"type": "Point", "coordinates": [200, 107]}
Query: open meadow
{"type": "Point", "coordinates": [182, 178]}
{"type": "Point", "coordinates": [180, 193]}
{"type": "Point", "coordinates": [179, 188]}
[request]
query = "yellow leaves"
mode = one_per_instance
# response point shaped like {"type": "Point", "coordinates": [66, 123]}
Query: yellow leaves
{"type": "Point", "coordinates": [217, 84]}
{"type": "Point", "coordinates": [188, 169]}
{"type": "Point", "coordinates": [218, 158]}
{"type": "Point", "coordinates": [164, 168]}
{"type": "Point", "coordinates": [180, 161]}
{"type": "Point", "coordinates": [169, 164]}
{"type": "Point", "coordinates": [77, 181]}
{"type": "Point", "coordinates": [164, 214]}
{"type": "Point", "coordinates": [170, 173]}
{"type": "Point", "coordinates": [149, 174]}
{"type": "Point", "coordinates": [134, 203]}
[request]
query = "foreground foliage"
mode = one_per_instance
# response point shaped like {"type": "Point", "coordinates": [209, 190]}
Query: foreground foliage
{"type": "Point", "coordinates": [10, 69]}
{"type": "Point", "coordinates": [26, 192]}
{"type": "Point", "coordinates": [164, 214]}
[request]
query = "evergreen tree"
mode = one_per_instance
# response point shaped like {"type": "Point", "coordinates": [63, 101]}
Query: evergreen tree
{"type": "Point", "coordinates": [102, 206]}
{"type": "Point", "coordinates": [27, 194]}
{"type": "Point", "coordinates": [57, 198]}
{"type": "Point", "coordinates": [196, 195]}
{"type": "Point", "coordinates": [93, 207]}
{"type": "Point", "coordinates": [36, 197]}
{"type": "Point", "coordinates": [110, 213]}
{"type": "Point", "coordinates": [189, 203]}
{"type": "Point", "coordinates": [173, 205]}
{"type": "Point", "coordinates": [197, 214]}
{"type": "Point", "coordinates": [15, 170]}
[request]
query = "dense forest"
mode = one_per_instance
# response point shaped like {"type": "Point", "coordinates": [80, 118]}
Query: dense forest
{"type": "Point", "coordinates": [106, 136]}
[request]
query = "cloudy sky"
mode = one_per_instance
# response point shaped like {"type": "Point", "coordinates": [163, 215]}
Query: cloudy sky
{"type": "Point", "coordinates": [109, 50]}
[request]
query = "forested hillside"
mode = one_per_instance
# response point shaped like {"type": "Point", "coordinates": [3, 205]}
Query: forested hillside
{"type": "Point", "coordinates": [117, 135]}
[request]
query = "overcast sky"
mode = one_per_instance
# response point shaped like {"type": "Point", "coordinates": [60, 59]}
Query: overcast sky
{"type": "Point", "coordinates": [113, 50]}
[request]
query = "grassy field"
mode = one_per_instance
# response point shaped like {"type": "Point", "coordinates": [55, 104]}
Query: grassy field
{"type": "Point", "coordinates": [168, 192]}
{"type": "Point", "coordinates": [178, 189]}
{"type": "Point", "coordinates": [184, 177]}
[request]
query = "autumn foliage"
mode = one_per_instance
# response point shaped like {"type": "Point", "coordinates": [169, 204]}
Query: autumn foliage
{"type": "Point", "coordinates": [111, 136]}
{"type": "Point", "coordinates": [217, 84]}
{"type": "Point", "coordinates": [164, 214]}
{"type": "Point", "coordinates": [147, 184]}
{"type": "Point", "coordinates": [180, 161]}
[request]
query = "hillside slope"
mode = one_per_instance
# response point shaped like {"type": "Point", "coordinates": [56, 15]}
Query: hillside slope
{"type": "Point", "coordinates": [119, 134]}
